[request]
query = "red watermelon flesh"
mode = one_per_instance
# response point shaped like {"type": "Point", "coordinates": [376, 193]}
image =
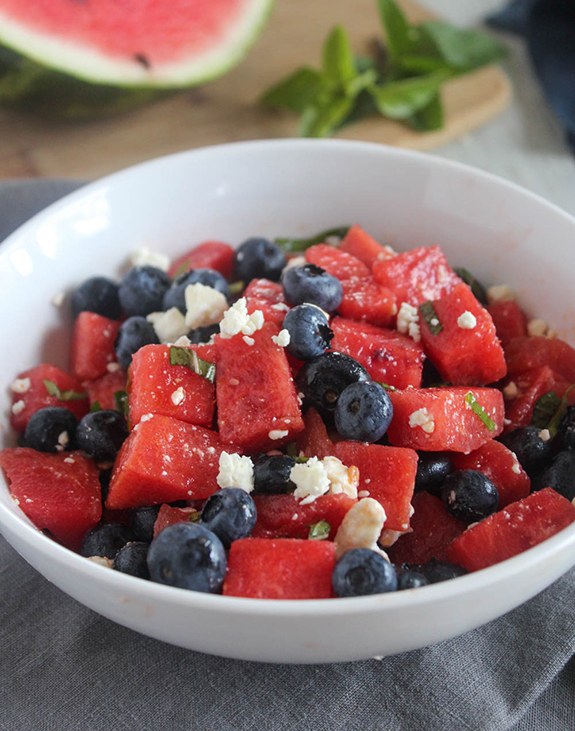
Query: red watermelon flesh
{"type": "Point", "coordinates": [336, 262]}
{"type": "Point", "coordinates": [501, 466]}
{"type": "Point", "coordinates": [60, 493]}
{"type": "Point", "coordinates": [509, 320]}
{"type": "Point", "coordinates": [168, 515]}
{"type": "Point", "coordinates": [432, 531]}
{"type": "Point", "coordinates": [164, 460]}
{"type": "Point", "coordinates": [388, 356]}
{"type": "Point", "coordinates": [37, 397]}
{"type": "Point", "coordinates": [93, 345]}
{"type": "Point", "coordinates": [387, 474]}
{"type": "Point", "coordinates": [464, 357]}
{"type": "Point", "coordinates": [102, 390]}
{"type": "Point", "coordinates": [156, 387]}
{"type": "Point", "coordinates": [531, 386]}
{"type": "Point", "coordinates": [255, 392]}
{"type": "Point", "coordinates": [417, 275]}
{"type": "Point", "coordinates": [261, 294]}
{"type": "Point", "coordinates": [314, 440]}
{"type": "Point", "coordinates": [209, 255]}
{"type": "Point", "coordinates": [453, 426]}
{"type": "Point", "coordinates": [281, 516]}
{"type": "Point", "coordinates": [360, 244]}
{"type": "Point", "coordinates": [281, 568]}
{"type": "Point", "coordinates": [526, 353]}
{"type": "Point", "coordinates": [365, 299]}
{"type": "Point", "coordinates": [511, 531]}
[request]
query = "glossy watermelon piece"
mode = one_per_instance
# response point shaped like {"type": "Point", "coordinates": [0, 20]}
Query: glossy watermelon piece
{"type": "Point", "coordinates": [417, 276]}
{"type": "Point", "coordinates": [364, 247]}
{"type": "Point", "coordinates": [336, 262]}
{"type": "Point", "coordinates": [209, 255]}
{"type": "Point", "coordinates": [282, 516]}
{"type": "Point", "coordinates": [511, 531]}
{"type": "Point", "coordinates": [450, 424]}
{"type": "Point", "coordinates": [261, 294]}
{"type": "Point", "coordinates": [432, 531]}
{"type": "Point", "coordinates": [388, 356]}
{"type": "Point", "coordinates": [531, 385]}
{"type": "Point", "coordinates": [60, 493]}
{"type": "Point", "coordinates": [526, 353]}
{"type": "Point", "coordinates": [92, 345]}
{"type": "Point", "coordinates": [164, 460]}
{"type": "Point", "coordinates": [501, 466]}
{"type": "Point", "coordinates": [156, 387]}
{"type": "Point", "coordinates": [365, 299]}
{"type": "Point", "coordinates": [464, 357]}
{"type": "Point", "coordinates": [102, 390]}
{"type": "Point", "coordinates": [387, 474]}
{"type": "Point", "coordinates": [168, 515]}
{"type": "Point", "coordinates": [281, 568]}
{"type": "Point", "coordinates": [255, 392]}
{"type": "Point", "coordinates": [509, 320]}
{"type": "Point", "coordinates": [37, 397]}
{"type": "Point", "coordinates": [314, 440]}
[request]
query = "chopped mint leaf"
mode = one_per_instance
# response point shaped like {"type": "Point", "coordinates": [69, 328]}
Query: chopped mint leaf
{"type": "Point", "coordinates": [295, 93]}
{"type": "Point", "coordinates": [95, 407]}
{"type": "Point", "coordinates": [475, 285]}
{"type": "Point", "coordinates": [189, 359]}
{"type": "Point", "coordinates": [479, 411]}
{"type": "Point", "coordinates": [291, 450]}
{"type": "Point", "coordinates": [301, 460]}
{"type": "Point", "coordinates": [195, 516]}
{"type": "Point", "coordinates": [182, 269]}
{"type": "Point", "coordinates": [236, 288]}
{"type": "Point", "coordinates": [427, 311]}
{"type": "Point", "coordinates": [386, 386]}
{"type": "Point", "coordinates": [319, 531]}
{"type": "Point", "coordinates": [544, 409]}
{"type": "Point", "coordinates": [289, 246]}
{"type": "Point", "coordinates": [53, 390]}
{"type": "Point", "coordinates": [121, 401]}
{"type": "Point", "coordinates": [555, 421]}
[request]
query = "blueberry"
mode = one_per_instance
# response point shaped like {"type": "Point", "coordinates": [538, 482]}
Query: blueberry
{"type": "Point", "coordinates": [134, 333]}
{"type": "Point", "coordinates": [106, 540]}
{"type": "Point", "coordinates": [310, 283]}
{"type": "Point", "coordinates": [363, 412]}
{"type": "Point", "coordinates": [272, 474]}
{"type": "Point", "coordinates": [132, 560]}
{"type": "Point", "coordinates": [101, 434]}
{"type": "Point", "coordinates": [309, 331]}
{"type": "Point", "coordinates": [258, 259]}
{"type": "Point", "coordinates": [203, 334]}
{"type": "Point", "coordinates": [469, 495]}
{"type": "Point", "coordinates": [99, 295]}
{"type": "Point", "coordinates": [361, 571]}
{"type": "Point", "coordinates": [531, 451]}
{"type": "Point", "coordinates": [324, 378]}
{"type": "Point", "coordinates": [142, 290]}
{"type": "Point", "coordinates": [52, 429]}
{"type": "Point", "coordinates": [142, 522]}
{"type": "Point", "coordinates": [176, 294]}
{"type": "Point", "coordinates": [230, 514]}
{"type": "Point", "coordinates": [560, 475]}
{"type": "Point", "coordinates": [410, 579]}
{"type": "Point", "coordinates": [567, 429]}
{"type": "Point", "coordinates": [189, 556]}
{"type": "Point", "coordinates": [436, 571]}
{"type": "Point", "coordinates": [432, 469]}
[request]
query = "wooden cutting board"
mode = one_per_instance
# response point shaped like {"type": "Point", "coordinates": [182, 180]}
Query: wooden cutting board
{"type": "Point", "coordinates": [225, 110]}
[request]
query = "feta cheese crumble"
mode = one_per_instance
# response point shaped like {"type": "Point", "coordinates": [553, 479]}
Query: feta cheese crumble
{"type": "Point", "coordinates": [236, 471]}
{"type": "Point", "coordinates": [178, 396]}
{"type": "Point", "coordinates": [424, 419]}
{"type": "Point", "coordinates": [280, 307]}
{"type": "Point", "coordinates": [147, 417]}
{"type": "Point", "coordinates": [145, 257]}
{"type": "Point", "coordinates": [537, 327]}
{"type": "Point", "coordinates": [169, 325]}
{"type": "Point", "coordinates": [467, 320]}
{"type": "Point", "coordinates": [511, 391]}
{"type": "Point", "coordinates": [204, 306]}
{"type": "Point", "coordinates": [311, 480]}
{"type": "Point", "coordinates": [247, 340]}
{"type": "Point", "coordinates": [18, 407]}
{"type": "Point", "coordinates": [361, 528]}
{"type": "Point", "coordinates": [102, 561]}
{"type": "Point", "coordinates": [277, 434]}
{"type": "Point", "coordinates": [516, 466]}
{"type": "Point", "coordinates": [282, 339]}
{"type": "Point", "coordinates": [295, 261]}
{"type": "Point", "coordinates": [408, 321]}
{"type": "Point", "coordinates": [236, 320]}
{"type": "Point", "coordinates": [63, 439]}
{"type": "Point", "coordinates": [545, 435]}
{"type": "Point", "coordinates": [183, 342]}
{"type": "Point", "coordinates": [20, 385]}
{"type": "Point", "coordinates": [58, 299]}
{"type": "Point", "coordinates": [113, 367]}
{"type": "Point", "coordinates": [500, 293]}
{"type": "Point", "coordinates": [342, 479]}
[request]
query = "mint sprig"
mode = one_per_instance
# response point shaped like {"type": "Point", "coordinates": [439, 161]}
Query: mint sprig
{"type": "Point", "coordinates": [71, 395]}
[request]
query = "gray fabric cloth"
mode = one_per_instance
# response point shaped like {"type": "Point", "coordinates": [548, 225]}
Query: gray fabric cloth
{"type": "Point", "coordinates": [63, 667]}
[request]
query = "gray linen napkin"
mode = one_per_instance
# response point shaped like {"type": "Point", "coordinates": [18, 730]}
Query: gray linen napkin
{"type": "Point", "coordinates": [63, 667]}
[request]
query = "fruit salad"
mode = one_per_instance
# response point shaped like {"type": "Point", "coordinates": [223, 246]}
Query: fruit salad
{"type": "Point", "coordinates": [297, 419]}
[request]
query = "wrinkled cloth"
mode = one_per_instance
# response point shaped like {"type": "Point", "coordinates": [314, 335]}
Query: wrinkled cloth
{"type": "Point", "coordinates": [63, 667]}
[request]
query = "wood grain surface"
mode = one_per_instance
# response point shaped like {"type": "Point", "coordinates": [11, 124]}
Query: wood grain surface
{"type": "Point", "coordinates": [225, 110]}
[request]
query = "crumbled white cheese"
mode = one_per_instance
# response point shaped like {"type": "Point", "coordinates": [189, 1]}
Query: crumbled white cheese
{"type": "Point", "coordinates": [20, 385]}
{"type": "Point", "coordinates": [145, 257]}
{"type": "Point", "coordinates": [247, 340]}
{"type": "Point", "coordinates": [282, 339]}
{"type": "Point", "coordinates": [388, 537]}
{"type": "Point", "coordinates": [236, 320]}
{"type": "Point", "coordinates": [58, 299]}
{"type": "Point", "coordinates": [18, 407]}
{"type": "Point", "coordinates": [551, 334]}
{"type": "Point", "coordinates": [311, 480]}
{"type": "Point", "coordinates": [295, 261]}
{"type": "Point", "coordinates": [204, 306]}
{"type": "Point", "coordinates": [467, 320]}
{"type": "Point", "coordinates": [70, 460]}
{"type": "Point", "coordinates": [500, 293]}
{"type": "Point", "coordinates": [277, 434]}
{"type": "Point", "coordinates": [424, 419]}
{"type": "Point", "coordinates": [183, 342]}
{"type": "Point", "coordinates": [236, 471]}
{"type": "Point", "coordinates": [361, 527]}
{"type": "Point", "coordinates": [363, 493]}
{"type": "Point", "coordinates": [511, 391]}
{"type": "Point", "coordinates": [178, 396]}
{"type": "Point", "coordinates": [544, 435]}
{"type": "Point", "coordinates": [516, 466]}
{"type": "Point", "coordinates": [342, 479]}
{"type": "Point", "coordinates": [506, 422]}
{"type": "Point", "coordinates": [537, 327]}
{"type": "Point", "coordinates": [102, 561]}
{"type": "Point", "coordinates": [280, 307]}
{"type": "Point", "coordinates": [147, 417]}
{"type": "Point", "coordinates": [408, 321]}
{"type": "Point", "coordinates": [113, 367]}
{"type": "Point", "coordinates": [169, 325]}
{"type": "Point", "coordinates": [255, 322]}
{"type": "Point", "coordinates": [63, 439]}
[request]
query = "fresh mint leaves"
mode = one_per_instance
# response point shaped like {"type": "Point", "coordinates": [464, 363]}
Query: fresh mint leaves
{"type": "Point", "coordinates": [290, 246]}
{"type": "Point", "coordinates": [54, 390]}
{"type": "Point", "coordinates": [189, 359]}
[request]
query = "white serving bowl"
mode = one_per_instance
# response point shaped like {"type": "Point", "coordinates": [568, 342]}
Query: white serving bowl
{"type": "Point", "coordinates": [500, 232]}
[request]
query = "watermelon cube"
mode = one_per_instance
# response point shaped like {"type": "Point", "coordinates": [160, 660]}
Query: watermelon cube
{"type": "Point", "coordinates": [466, 351]}
{"type": "Point", "coordinates": [314, 440]}
{"type": "Point", "coordinates": [509, 320]}
{"type": "Point", "coordinates": [336, 262]}
{"type": "Point", "coordinates": [526, 353]}
{"type": "Point", "coordinates": [417, 276]}
{"type": "Point", "coordinates": [261, 294]}
{"type": "Point", "coordinates": [93, 345]}
{"type": "Point", "coordinates": [102, 390]}
{"type": "Point", "coordinates": [501, 466]}
{"type": "Point", "coordinates": [281, 568]}
{"type": "Point", "coordinates": [531, 385]}
{"type": "Point", "coordinates": [164, 460]}
{"type": "Point", "coordinates": [258, 408]}
{"type": "Point", "coordinates": [156, 387]}
{"type": "Point", "coordinates": [60, 493]}
{"type": "Point", "coordinates": [168, 515]}
{"type": "Point", "coordinates": [28, 398]}
{"type": "Point", "coordinates": [209, 255]}
{"type": "Point", "coordinates": [440, 419]}
{"type": "Point", "coordinates": [432, 531]}
{"type": "Point", "coordinates": [360, 244]}
{"type": "Point", "coordinates": [387, 474]}
{"type": "Point", "coordinates": [511, 531]}
{"type": "Point", "coordinates": [388, 356]}
{"type": "Point", "coordinates": [365, 299]}
{"type": "Point", "coordinates": [281, 516]}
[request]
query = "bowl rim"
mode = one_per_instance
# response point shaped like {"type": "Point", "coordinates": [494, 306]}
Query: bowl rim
{"type": "Point", "coordinates": [473, 582]}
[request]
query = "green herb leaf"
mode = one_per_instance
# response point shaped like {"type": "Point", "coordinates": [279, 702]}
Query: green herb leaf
{"type": "Point", "coordinates": [555, 421]}
{"type": "Point", "coordinates": [544, 409]}
{"type": "Point", "coordinates": [189, 359]}
{"type": "Point", "coordinates": [430, 118]}
{"type": "Point", "coordinates": [479, 411]}
{"type": "Point", "coordinates": [295, 92]}
{"type": "Point", "coordinates": [464, 50]}
{"type": "Point", "coordinates": [236, 288]}
{"type": "Point", "coordinates": [289, 246]}
{"type": "Point", "coordinates": [195, 516]}
{"type": "Point", "coordinates": [291, 450]}
{"type": "Point", "coordinates": [427, 311]}
{"type": "Point", "coordinates": [386, 386]}
{"type": "Point", "coordinates": [301, 460]}
{"type": "Point", "coordinates": [325, 116]}
{"type": "Point", "coordinates": [397, 29]}
{"type": "Point", "coordinates": [338, 62]}
{"type": "Point", "coordinates": [402, 99]}
{"type": "Point", "coordinates": [53, 390]}
{"type": "Point", "coordinates": [121, 401]}
{"type": "Point", "coordinates": [476, 287]}
{"type": "Point", "coordinates": [319, 531]}
{"type": "Point", "coordinates": [418, 65]}
{"type": "Point", "coordinates": [95, 407]}
{"type": "Point", "coordinates": [182, 269]}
